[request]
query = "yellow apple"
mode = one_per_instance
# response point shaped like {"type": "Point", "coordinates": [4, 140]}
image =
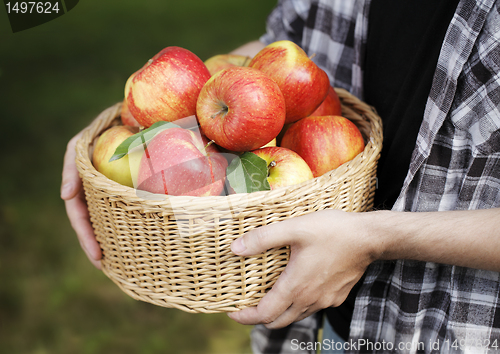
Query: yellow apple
{"type": "Point", "coordinates": [223, 61]}
{"type": "Point", "coordinates": [271, 143]}
{"type": "Point", "coordinates": [285, 167]}
{"type": "Point", "coordinates": [124, 170]}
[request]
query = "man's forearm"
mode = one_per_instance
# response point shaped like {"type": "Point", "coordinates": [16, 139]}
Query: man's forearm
{"type": "Point", "coordinates": [464, 238]}
{"type": "Point", "coordinates": [249, 49]}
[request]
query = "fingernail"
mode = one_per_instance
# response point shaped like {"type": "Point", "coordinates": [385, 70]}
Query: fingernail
{"type": "Point", "coordinates": [66, 190]}
{"type": "Point", "coordinates": [238, 246]}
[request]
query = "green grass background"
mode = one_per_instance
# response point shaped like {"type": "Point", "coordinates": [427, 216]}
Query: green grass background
{"type": "Point", "coordinates": [54, 79]}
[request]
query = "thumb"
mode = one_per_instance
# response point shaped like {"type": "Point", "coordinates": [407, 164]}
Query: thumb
{"type": "Point", "coordinates": [263, 238]}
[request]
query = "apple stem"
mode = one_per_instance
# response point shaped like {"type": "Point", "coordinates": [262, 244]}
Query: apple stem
{"type": "Point", "coordinates": [224, 109]}
{"type": "Point", "coordinates": [209, 143]}
{"type": "Point", "coordinates": [312, 56]}
{"type": "Point", "coordinates": [271, 165]}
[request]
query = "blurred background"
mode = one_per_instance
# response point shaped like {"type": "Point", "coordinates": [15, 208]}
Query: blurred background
{"type": "Point", "coordinates": [54, 79]}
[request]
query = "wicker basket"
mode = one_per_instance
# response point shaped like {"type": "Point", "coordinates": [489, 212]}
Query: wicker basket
{"type": "Point", "coordinates": [174, 251]}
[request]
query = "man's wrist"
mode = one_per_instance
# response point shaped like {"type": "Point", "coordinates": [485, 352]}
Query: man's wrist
{"type": "Point", "coordinates": [387, 234]}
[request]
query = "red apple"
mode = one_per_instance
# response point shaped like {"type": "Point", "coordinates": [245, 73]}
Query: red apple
{"type": "Point", "coordinates": [331, 106]}
{"type": "Point", "coordinates": [126, 117]}
{"type": "Point", "coordinates": [303, 83]}
{"type": "Point", "coordinates": [241, 109]}
{"type": "Point", "coordinates": [167, 87]}
{"type": "Point", "coordinates": [285, 167]}
{"type": "Point", "coordinates": [179, 162]}
{"type": "Point", "coordinates": [324, 142]}
{"type": "Point", "coordinates": [282, 133]}
{"type": "Point", "coordinates": [124, 170]}
{"type": "Point", "coordinates": [223, 61]}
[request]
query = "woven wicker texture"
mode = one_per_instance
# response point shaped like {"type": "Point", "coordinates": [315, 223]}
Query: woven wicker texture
{"type": "Point", "coordinates": [174, 251]}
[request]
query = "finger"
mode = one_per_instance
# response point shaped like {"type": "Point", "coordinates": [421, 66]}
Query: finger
{"type": "Point", "coordinates": [293, 314]}
{"type": "Point", "coordinates": [78, 215]}
{"type": "Point", "coordinates": [270, 307]}
{"type": "Point", "coordinates": [272, 314]}
{"type": "Point", "coordinates": [282, 305]}
{"type": "Point", "coordinates": [71, 182]}
{"type": "Point", "coordinates": [263, 238]}
{"type": "Point", "coordinates": [247, 316]}
{"type": "Point", "coordinates": [263, 313]}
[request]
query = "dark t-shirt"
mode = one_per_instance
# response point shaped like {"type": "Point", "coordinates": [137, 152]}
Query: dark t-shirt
{"type": "Point", "coordinates": [403, 45]}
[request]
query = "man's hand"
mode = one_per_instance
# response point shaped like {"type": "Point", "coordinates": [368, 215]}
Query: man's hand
{"type": "Point", "coordinates": [76, 206]}
{"type": "Point", "coordinates": [330, 251]}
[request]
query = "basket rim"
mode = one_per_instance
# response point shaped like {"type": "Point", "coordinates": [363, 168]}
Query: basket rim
{"type": "Point", "coordinates": [368, 156]}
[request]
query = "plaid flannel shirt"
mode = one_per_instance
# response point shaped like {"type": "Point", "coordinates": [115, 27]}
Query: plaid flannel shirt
{"type": "Point", "coordinates": [416, 306]}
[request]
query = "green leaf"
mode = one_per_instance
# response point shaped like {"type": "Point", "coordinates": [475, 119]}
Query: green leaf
{"type": "Point", "coordinates": [140, 138]}
{"type": "Point", "coordinates": [248, 173]}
